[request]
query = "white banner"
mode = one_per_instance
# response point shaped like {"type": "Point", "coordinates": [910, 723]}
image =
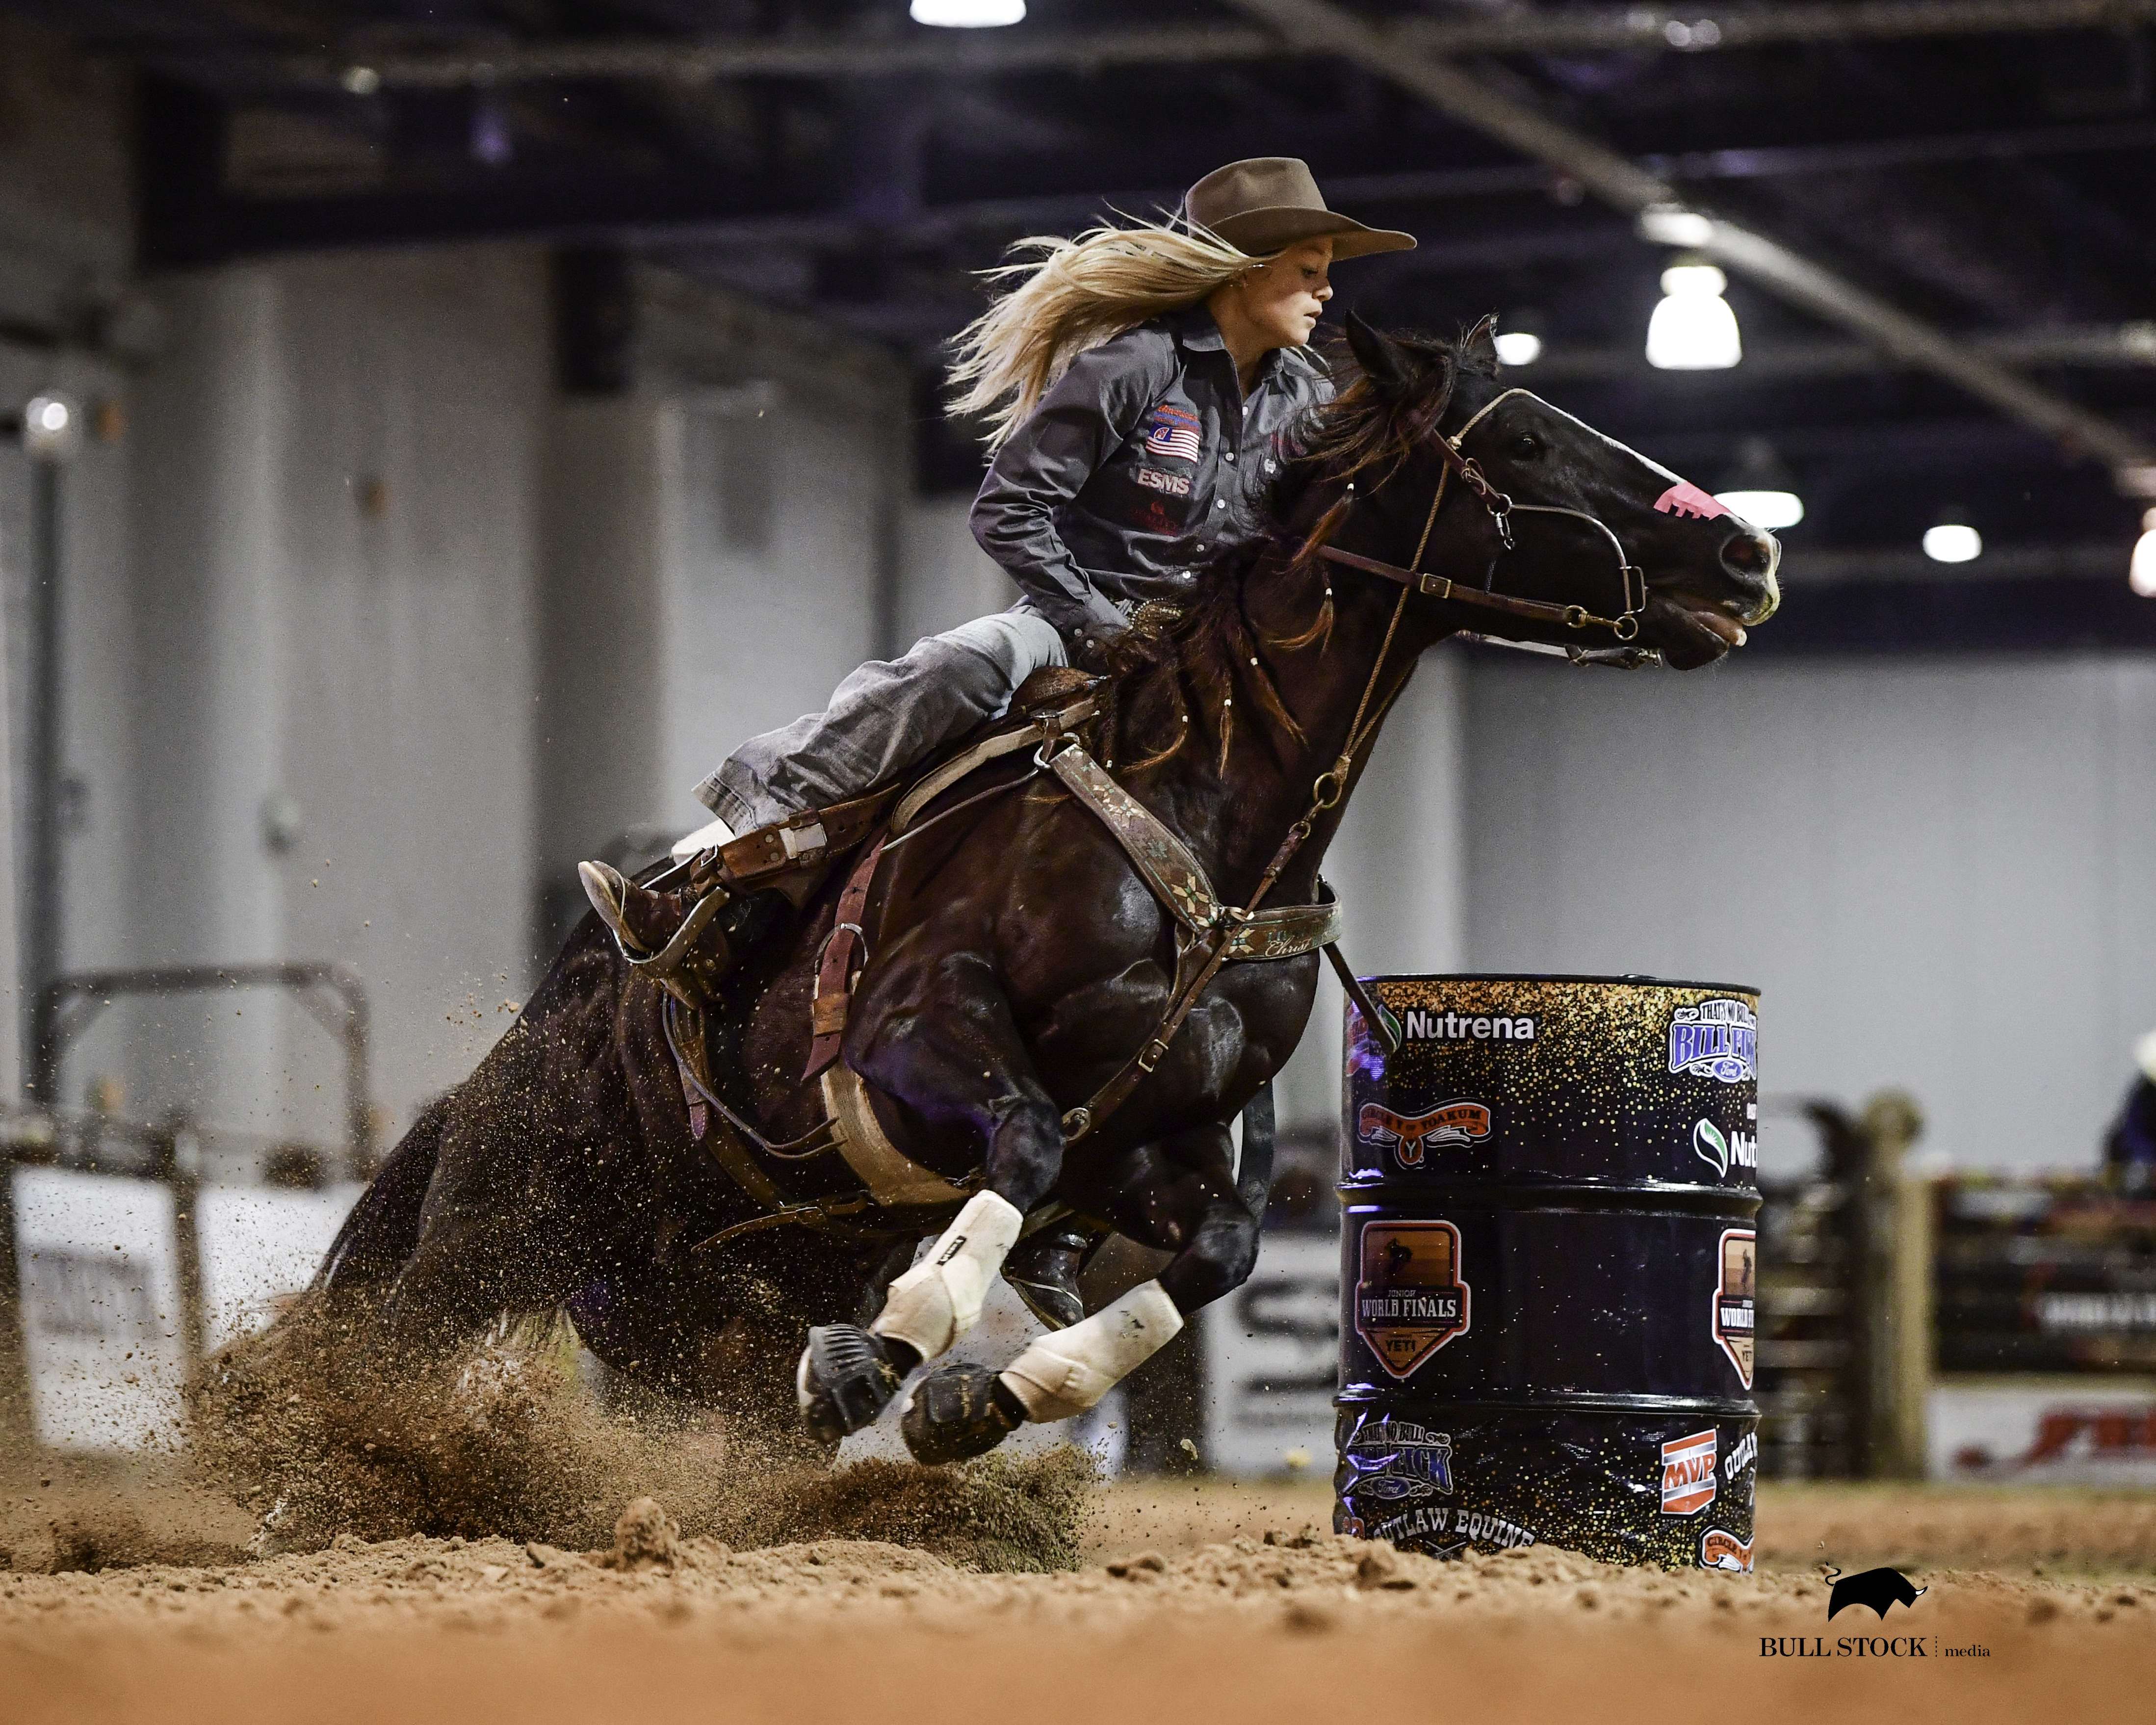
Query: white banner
{"type": "Point", "coordinates": [261, 1246]}
{"type": "Point", "coordinates": [1272, 1361]}
{"type": "Point", "coordinates": [101, 1308]}
{"type": "Point", "coordinates": [2083, 1430]}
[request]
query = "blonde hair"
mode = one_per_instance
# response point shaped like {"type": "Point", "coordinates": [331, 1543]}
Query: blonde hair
{"type": "Point", "coordinates": [1073, 294]}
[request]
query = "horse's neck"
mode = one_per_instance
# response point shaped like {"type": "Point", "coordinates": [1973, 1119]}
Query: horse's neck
{"type": "Point", "coordinates": [1347, 676]}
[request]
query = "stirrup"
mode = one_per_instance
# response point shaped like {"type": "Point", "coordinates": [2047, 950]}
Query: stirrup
{"type": "Point", "coordinates": [603, 886]}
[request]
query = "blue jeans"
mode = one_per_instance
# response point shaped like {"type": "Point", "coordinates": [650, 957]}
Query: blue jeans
{"type": "Point", "coordinates": [886, 717]}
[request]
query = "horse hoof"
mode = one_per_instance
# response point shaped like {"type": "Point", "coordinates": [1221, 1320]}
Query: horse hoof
{"type": "Point", "coordinates": [959, 1410]}
{"type": "Point", "coordinates": [847, 1377]}
{"type": "Point", "coordinates": [1055, 1302]}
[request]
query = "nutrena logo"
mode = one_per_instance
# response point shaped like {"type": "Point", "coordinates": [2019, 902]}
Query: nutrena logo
{"type": "Point", "coordinates": [1684, 499]}
{"type": "Point", "coordinates": [1688, 1472]}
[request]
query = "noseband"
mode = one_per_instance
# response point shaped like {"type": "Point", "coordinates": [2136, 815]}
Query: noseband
{"type": "Point", "coordinates": [1624, 626]}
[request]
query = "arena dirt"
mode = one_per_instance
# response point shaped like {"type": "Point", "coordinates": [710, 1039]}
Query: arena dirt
{"type": "Point", "coordinates": [508, 1553]}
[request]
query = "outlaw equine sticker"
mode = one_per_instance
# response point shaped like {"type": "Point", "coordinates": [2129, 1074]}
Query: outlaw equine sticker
{"type": "Point", "coordinates": [1717, 1039]}
{"type": "Point", "coordinates": [1449, 1126]}
{"type": "Point", "coordinates": [1411, 1301]}
{"type": "Point", "coordinates": [1688, 1472]}
{"type": "Point", "coordinates": [1734, 1306]}
{"type": "Point", "coordinates": [1687, 502]}
{"type": "Point", "coordinates": [1173, 433]}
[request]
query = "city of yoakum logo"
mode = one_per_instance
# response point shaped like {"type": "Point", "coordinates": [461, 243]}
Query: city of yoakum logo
{"type": "Point", "coordinates": [1449, 1126]}
{"type": "Point", "coordinates": [1716, 1039]}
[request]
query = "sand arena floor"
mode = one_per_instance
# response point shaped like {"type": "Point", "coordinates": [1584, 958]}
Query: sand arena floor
{"type": "Point", "coordinates": [1191, 1601]}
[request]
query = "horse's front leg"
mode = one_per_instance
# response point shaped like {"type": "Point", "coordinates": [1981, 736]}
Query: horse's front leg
{"type": "Point", "coordinates": [1180, 1195]}
{"type": "Point", "coordinates": [961, 1064]}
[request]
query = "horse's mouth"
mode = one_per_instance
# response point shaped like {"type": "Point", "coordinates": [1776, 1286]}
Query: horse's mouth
{"type": "Point", "coordinates": [1690, 634]}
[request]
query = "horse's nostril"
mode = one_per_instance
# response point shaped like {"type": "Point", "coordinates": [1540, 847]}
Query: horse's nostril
{"type": "Point", "coordinates": [1750, 554]}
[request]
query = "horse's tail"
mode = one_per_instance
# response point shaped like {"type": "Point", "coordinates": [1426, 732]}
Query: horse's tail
{"type": "Point", "coordinates": [382, 1230]}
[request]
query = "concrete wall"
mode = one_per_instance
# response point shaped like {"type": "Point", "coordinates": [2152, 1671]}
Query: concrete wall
{"type": "Point", "coordinates": [1399, 866]}
{"type": "Point", "coordinates": [1939, 871]}
{"type": "Point", "coordinates": [722, 550]}
{"type": "Point", "coordinates": [336, 466]}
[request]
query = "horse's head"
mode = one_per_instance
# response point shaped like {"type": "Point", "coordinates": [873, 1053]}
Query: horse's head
{"type": "Point", "coordinates": [1583, 506]}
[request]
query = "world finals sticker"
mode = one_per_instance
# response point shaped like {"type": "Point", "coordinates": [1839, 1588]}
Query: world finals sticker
{"type": "Point", "coordinates": [1410, 1300]}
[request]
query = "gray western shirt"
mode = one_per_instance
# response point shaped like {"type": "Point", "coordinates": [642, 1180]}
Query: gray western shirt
{"type": "Point", "coordinates": [1143, 461]}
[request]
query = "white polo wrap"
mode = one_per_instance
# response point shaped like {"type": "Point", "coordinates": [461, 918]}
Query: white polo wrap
{"type": "Point", "coordinates": [1066, 1373]}
{"type": "Point", "coordinates": [938, 1300]}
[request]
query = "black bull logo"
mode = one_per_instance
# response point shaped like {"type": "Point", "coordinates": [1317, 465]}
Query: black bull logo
{"type": "Point", "coordinates": [1879, 1588]}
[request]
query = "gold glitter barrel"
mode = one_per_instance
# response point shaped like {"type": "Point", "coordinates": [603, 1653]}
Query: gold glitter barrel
{"type": "Point", "coordinates": [1549, 1195]}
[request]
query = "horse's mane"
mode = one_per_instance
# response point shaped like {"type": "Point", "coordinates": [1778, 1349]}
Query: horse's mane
{"type": "Point", "coordinates": [1205, 651]}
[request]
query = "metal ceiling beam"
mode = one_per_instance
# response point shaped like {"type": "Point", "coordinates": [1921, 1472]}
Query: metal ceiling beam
{"type": "Point", "coordinates": [2124, 348]}
{"type": "Point", "coordinates": [1474, 99]}
{"type": "Point", "coordinates": [1651, 29]}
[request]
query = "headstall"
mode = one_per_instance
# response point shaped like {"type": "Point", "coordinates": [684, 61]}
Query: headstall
{"type": "Point", "coordinates": [1624, 626]}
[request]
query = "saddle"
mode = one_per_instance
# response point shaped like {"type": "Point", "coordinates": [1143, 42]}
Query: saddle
{"type": "Point", "coordinates": [1046, 713]}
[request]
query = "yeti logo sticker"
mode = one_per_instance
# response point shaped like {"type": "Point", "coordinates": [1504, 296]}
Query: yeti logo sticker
{"type": "Point", "coordinates": [1411, 1301]}
{"type": "Point", "coordinates": [1449, 1126]}
{"type": "Point", "coordinates": [1721, 1549]}
{"type": "Point", "coordinates": [1688, 1472]}
{"type": "Point", "coordinates": [1686, 499]}
{"type": "Point", "coordinates": [1734, 1299]}
{"type": "Point", "coordinates": [1715, 1039]}
{"type": "Point", "coordinates": [1396, 1459]}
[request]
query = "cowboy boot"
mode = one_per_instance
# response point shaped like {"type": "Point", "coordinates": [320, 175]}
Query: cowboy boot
{"type": "Point", "coordinates": [1042, 1269]}
{"type": "Point", "coordinates": [687, 940]}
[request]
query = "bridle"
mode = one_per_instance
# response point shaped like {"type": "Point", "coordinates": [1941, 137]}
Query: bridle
{"type": "Point", "coordinates": [1624, 626]}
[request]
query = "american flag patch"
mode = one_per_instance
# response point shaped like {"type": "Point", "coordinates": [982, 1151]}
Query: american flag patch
{"type": "Point", "coordinates": [1174, 432]}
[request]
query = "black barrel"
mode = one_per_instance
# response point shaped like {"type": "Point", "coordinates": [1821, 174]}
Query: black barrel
{"type": "Point", "coordinates": [1547, 1244]}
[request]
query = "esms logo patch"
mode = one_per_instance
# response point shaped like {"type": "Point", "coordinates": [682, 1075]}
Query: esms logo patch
{"type": "Point", "coordinates": [1715, 1039]}
{"type": "Point", "coordinates": [1449, 1126]}
{"type": "Point", "coordinates": [1688, 1472]}
{"type": "Point", "coordinates": [1411, 1299]}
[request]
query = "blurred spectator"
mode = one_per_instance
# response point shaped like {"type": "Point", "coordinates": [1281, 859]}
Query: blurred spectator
{"type": "Point", "coordinates": [2129, 1152]}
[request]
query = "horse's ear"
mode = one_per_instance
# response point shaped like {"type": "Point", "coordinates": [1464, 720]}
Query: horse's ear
{"type": "Point", "coordinates": [1480, 343]}
{"type": "Point", "coordinates": [1384, 361]}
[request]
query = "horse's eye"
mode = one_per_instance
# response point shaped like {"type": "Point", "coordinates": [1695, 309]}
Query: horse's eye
{"type": "Point", "coordinates": [1526, 445]}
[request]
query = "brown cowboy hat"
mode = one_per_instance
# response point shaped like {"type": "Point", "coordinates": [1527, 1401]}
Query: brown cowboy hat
{"type": "Point", "coordinates": [1270, 201]}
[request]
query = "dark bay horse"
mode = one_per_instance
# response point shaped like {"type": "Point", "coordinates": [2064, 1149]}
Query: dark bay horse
{"type": "Point", "coordinates": [1017, 960]}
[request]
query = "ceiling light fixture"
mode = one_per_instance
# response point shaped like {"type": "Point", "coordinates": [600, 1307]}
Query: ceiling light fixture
{"type": "Point", "coordinates": [1693, 329]}
{"type": "Point", "coordinates": [1953, 543]}
{"type": "Point", "coordinates": [1518, 347]}
{"type": "Point", "coordinates": [2141, 573]}
{"type": "Point", "coordinates": [1762, 490]}
{"type": "Point", "coordinates": [968, 14]}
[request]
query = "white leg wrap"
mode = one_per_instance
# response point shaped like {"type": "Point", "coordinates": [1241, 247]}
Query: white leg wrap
{"type": "Point", "coordinates": [938, 1300]}
{"type": "Point", "coordinates": [1066, 1373]}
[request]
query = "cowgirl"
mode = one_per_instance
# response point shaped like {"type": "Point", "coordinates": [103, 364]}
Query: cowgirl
{"type": "Point", "coordinates": [1137, 382]}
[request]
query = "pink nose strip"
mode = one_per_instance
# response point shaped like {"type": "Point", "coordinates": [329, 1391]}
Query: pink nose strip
{"type": "Point", "coordinates": [1685, 498]}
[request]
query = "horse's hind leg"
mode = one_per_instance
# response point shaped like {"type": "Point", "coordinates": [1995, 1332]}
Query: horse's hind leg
{"type": "Point", "coordinates": [959, 1062]}
{"type": "Point", "coordinates": [964, 1409]}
